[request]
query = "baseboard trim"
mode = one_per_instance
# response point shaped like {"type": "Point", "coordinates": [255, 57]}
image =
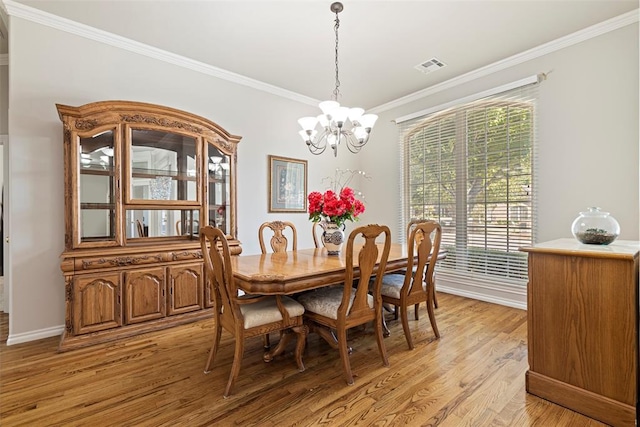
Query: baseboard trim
{"type": "Point", "coordinates": [591, 404]}
{"type": "Point", "coordinates": [515, 297]}
{"type": "Point", "coordinates": [35, 335]}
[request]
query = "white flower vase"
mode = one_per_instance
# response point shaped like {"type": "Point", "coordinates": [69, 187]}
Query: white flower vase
{"type": "Point", "coordinates": [332, 237]}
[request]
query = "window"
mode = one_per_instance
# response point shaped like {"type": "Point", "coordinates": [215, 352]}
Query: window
{"type": "Point", "coordinates": [470, 167]}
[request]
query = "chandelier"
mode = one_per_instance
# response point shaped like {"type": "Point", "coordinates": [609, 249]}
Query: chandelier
{"type": "Point", "coordinates": [339, 124]}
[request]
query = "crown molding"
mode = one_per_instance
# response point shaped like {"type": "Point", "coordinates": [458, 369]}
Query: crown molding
{"type": "Point", "coordinates": [63, 24]}
{"type": "Point", "coordinates": [4, 59]}
{"type": "Point", "coordinates": [544, 49]}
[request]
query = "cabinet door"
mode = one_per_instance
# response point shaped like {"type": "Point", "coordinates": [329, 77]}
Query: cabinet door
{"type": "Point", "coordinates": [185, 288]}
{"type": "Point", "coordinates": [145, 295]}
{"type": "Point", "coordinates": [94, 172]}
{"type": "Point", "coordinates": [96, 303]}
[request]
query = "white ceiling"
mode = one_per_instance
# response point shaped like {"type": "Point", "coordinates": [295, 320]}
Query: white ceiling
{"type": "Point", "coordinates": [290, 44]}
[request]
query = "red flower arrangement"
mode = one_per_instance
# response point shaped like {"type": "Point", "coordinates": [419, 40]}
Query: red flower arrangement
{"type": "Point", "coordinates": [334, 207]}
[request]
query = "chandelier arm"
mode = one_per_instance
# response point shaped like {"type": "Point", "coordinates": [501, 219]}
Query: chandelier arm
{"type": "Point", "coordinates": [319, 144]}
{"type": "Point", "coordinates": [317, 150]}
{"type": "Point", "coordinates": [352, 143]}
{"type": "Point", "coordinates": [320, 140]}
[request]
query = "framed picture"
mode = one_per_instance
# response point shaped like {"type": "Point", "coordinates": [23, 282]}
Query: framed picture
{"type": "Point", "coordinates": [287, 185]}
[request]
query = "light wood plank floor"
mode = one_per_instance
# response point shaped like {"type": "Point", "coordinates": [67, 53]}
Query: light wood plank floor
{"type": "Point", "coordinates": [472, 376]}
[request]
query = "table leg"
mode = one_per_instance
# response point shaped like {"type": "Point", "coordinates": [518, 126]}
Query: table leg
{"type": "Point", "coordinates": [285, 337]}
{"type": "Point", "coordinates": [326, 334]}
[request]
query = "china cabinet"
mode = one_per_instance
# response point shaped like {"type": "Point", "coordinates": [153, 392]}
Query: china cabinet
{"type": "Point", "coordinates": [140, 180]}
{"type": "Point", "coordinates": [583, 327]}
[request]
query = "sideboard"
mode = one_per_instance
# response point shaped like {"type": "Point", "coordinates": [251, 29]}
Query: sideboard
{"type": "Point", "coordinates": [583, 327]}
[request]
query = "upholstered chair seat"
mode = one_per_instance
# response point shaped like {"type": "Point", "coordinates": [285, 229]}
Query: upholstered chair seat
{"type": "Point", "coordinates": [325, 301]}
{"type": "Point", "coordinates": [266, 311]}
{"type": "Point", "coordinates": [392, 284]}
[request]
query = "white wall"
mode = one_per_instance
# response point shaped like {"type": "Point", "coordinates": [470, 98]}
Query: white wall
{"type": "Point", "coordinates": [587, 129]}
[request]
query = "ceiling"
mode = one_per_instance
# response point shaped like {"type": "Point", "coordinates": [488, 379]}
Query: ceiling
{"type": "Point", "coordinates": [290, 44]}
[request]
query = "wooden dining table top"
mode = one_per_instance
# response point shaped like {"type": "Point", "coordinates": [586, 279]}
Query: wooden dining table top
{"type": "Point", "coordinates": [296, 271]}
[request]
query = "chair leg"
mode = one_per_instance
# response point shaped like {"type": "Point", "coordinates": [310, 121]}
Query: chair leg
{"type": "Point", "coordinates": [214, 348]}
{"type": "Point", "coordinates": [302, 332]}
{"type": "Point", "coordinates": [385, 329]}
{"type": "Point", "coordinates": [405, 326]}
{"type": "Point", "coordinates": [380, 340]}
{"type": "Point", "coordinates": [265, 342]}
{"type": "Point", "coordinates": [344, 355]}
{"type": "Point", "coordinates": [415, 311]}
{"type": "Point", "coordinates": [235, 366]}
{"type": "Point", "coordinates": [432, 316]}
{"type": "Point", "coordinates": [435, 298]}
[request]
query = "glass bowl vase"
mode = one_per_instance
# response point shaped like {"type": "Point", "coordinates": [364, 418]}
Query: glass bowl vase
{"type": "Point", "coordinates": [595, 227]}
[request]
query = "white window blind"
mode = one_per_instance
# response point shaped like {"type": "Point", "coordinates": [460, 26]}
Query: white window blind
{"type": "Point", "coordinates": [471, 167]}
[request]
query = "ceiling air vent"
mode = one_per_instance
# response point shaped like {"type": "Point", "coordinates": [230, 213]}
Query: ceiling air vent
{"type": "Point", "coordinates": [431, 65]}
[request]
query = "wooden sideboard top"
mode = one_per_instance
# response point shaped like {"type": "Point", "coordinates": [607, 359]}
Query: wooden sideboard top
{"type": "Point", "coordinates": [570, 246]}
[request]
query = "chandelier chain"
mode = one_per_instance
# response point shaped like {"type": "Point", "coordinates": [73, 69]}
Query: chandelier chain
{"type": "Point", "coordinates": [336, 91]}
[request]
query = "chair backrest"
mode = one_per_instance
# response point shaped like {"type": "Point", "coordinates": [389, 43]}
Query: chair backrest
{"type": "Point", "coordinates": [217, 261]}
{"type": "Point", "coordinates": [188, 229]}
{"type": "Point", "coordinates": [368, 255]}
{"type": "Point", "coordinates": [315, 229]}
{"type": "Point", "coordinates": [424, 239]}
{"type": "Point", "coordinates": [140, 228]}
{"type": "Point", "coordinates": [412, 224]}
{"type": "Point", "coordinates": [278, 242]}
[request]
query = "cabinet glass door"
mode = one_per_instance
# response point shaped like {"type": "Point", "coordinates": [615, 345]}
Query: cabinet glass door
{"type": "Point", "coordinates": [163, 166]}
{"type": "Point", "coordinates": [96, 187]}
{"type": "Point", "coordinates": [219, 183]}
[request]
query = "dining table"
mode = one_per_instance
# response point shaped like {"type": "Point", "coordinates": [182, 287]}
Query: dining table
{"type": "Point", "coordinates": [291, 272]}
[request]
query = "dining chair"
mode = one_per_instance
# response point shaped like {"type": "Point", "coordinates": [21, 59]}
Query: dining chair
{"type": "Point", "coordinates": [140, 228]}
{"type": "Point", "coordinates": [442, 254]}
{"type": "Point", "coordinates": [278, 241]}
{"type": "Point", "coordinates": [244, 317]}
{"type": "Point", "coordinates": [187, 230]}
{"type": "Point", "coordinates": [417, 284]}
{"type": "Point", "coordinates": [339, 308]}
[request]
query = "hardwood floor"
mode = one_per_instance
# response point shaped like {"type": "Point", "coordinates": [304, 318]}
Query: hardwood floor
{"type": "Point", "coordinates": [472, 376]}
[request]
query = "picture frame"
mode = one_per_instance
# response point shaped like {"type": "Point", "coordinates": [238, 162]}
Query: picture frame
{"type": "Point", "coordinates": [287, 184]}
